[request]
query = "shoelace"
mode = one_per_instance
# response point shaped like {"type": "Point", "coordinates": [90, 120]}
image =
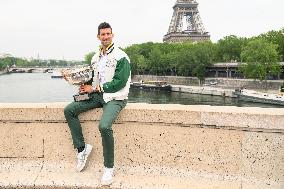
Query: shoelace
{"type": "Point", "coordinates": [83, 157]}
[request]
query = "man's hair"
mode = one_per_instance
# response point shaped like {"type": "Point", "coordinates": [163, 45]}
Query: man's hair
{"type": "Point", "coordinates": [103, 26]}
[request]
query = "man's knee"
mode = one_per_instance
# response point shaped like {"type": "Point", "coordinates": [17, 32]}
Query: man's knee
{"type": "Point", "coordinates": [68, 110]}
{"type": "Point", "coordinates": [104, 127]}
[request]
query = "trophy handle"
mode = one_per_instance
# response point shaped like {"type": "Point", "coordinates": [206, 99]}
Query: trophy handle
{"type": "Point", "coordinates": [67, 75]}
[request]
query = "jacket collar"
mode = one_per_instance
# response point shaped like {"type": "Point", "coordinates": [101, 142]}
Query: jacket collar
{"type": "Point", "coordinates": [109, 49]}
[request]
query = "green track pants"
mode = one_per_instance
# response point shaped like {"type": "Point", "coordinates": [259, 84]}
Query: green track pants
{"type": "Point", "coordinates": [110, 113]}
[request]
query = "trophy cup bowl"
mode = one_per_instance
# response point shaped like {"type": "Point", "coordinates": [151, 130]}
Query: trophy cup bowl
{"type": "Point", "coordinates": [79, 76]}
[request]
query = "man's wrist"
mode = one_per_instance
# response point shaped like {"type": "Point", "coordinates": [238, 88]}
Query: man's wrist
{"type": "Point", "coordinates": [101, 88]}
{"type": "Point", "coordinates": [94, 89]}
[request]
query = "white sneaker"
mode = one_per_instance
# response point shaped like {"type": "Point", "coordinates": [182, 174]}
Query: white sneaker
{"type": "Point", "coordinates": [83, 156]}
{"type": "Point", "coordinates": [107, 177]}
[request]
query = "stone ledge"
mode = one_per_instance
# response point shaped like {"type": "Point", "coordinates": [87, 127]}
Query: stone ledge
{"type": "Point", "coordinates": [263, 119]}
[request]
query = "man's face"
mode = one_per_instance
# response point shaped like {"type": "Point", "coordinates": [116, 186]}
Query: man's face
{"type": "Point", "coordinates": [105, 36]}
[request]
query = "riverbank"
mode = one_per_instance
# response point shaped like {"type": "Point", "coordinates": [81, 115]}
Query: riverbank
{"type": "Point", "coordinates": [206, 90]}
{"type": "Point", "coordinates": [224, 87]}
{"type": "Point", "coordinates": [224, 83]}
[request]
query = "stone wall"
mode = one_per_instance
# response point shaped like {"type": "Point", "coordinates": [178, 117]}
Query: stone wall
{"type": "Point", "coordinates": [221, 82]}
{"type": "Point", "coordinates": [169, 146]}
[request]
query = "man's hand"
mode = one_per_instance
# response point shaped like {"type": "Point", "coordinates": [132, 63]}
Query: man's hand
{"type": "Point", "coordinates": [86, 88]}
{"type": "Point", "coordinates": [98, 89]}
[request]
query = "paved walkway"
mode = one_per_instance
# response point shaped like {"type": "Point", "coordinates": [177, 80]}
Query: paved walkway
{"type": "Point", "coordinates": [40, 174]}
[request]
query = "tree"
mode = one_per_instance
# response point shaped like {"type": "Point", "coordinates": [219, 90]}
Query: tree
{"type": "Point", "coordinates": [7, 61]}
{"type": "Point", "coordinates": [185, 58]}
{"type": "Point", "coordinates": [141, 64]}
{"type": "Point", "coordinates": [261, 59]}
{"type": "Point", "coordinates": [275, 37]}
{"type": "Point", "coordinates": [155, 60]}
{"type": "Point", "coordinates": [137, 60]}
{"type": "Point", "coordinates": [88, 57]}
{"type": "Point", "coordinates": [203, 57]}
{"type": "Point", "coordinates": [230, 48]}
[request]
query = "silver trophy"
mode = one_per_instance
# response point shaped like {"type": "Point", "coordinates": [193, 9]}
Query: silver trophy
{"type": "Point", "coordinates": [79, 76]}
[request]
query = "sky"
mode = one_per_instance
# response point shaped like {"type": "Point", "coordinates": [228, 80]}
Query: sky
{"type": "Point", "coordinates": [67, 29]}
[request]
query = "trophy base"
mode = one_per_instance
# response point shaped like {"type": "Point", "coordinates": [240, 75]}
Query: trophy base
{"type": "Point", "coordinates": [81, 97]}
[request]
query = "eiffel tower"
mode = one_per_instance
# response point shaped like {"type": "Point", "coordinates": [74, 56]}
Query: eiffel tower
{"type": "Point", "coordinates": [186, 23]}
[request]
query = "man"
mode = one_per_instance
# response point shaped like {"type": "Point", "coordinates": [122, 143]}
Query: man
{"type": "Point", "coordinates": [109, 90]}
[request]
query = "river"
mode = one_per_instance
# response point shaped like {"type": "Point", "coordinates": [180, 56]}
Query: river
{"type": "Point", "coordinates": [40, 88]}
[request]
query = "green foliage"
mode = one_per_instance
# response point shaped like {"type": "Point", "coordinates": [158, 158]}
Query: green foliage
{"type": "Point", "coordinates": [187, 59]}
{"type": "Point", "coordinates": [230, 48]}
{"type": "Point", "coordinates": [261, 59]}
{"type": "Point", "coordinates": [7, 61]}
{"type": "Point", "coordinates": [262, 54]}
{"type": "Point", "coordinates": [275, 37]}
{"type": "Point", "coordinates": [202, 54]}
{"type": "Point", "coordinates": [88, 57]}
{"type": "Point", "coordinates": [19, 62]}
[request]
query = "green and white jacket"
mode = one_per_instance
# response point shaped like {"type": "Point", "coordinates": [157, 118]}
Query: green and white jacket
{"type": "Point", "coordinates": [117, 74]}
